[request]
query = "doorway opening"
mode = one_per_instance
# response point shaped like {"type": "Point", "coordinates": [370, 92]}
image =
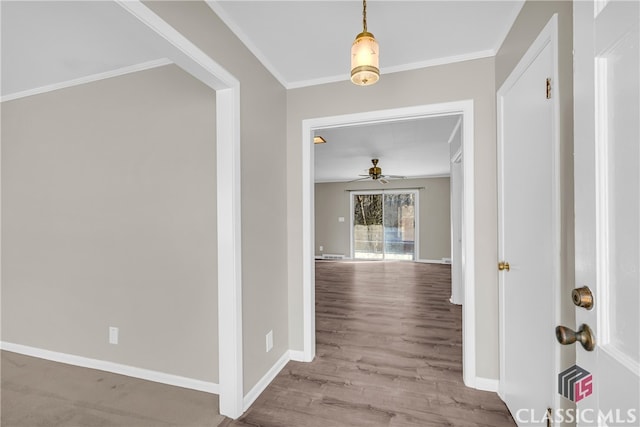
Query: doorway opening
{"type": "Point", "coordinates": [383, 225]}
{"type": "Point", "coordinates": [464, 109]}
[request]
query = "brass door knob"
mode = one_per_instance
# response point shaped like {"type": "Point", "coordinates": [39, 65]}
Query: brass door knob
{"type": "Point", "coordinates": [503, 265]}
{"type": "Point", "coordinates": [584, 336]}
{"type": "Point", "coordinates": [582, 297]}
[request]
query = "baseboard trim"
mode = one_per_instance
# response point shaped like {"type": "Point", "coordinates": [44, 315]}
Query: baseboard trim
{"type": "Point", "coordinates": [297, 356]}
{"type": "Point", "coordinates": [487, 384]}
{"type": "Point", "coordinates": [261, 385]}
{"type": "Point", "coordinates": [115, 368]}
{"type": "Point", "coordinates": [431, 261]}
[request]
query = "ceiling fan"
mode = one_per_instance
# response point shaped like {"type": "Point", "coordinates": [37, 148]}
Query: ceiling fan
{"type": "Point", "coordinates": [375, 173]}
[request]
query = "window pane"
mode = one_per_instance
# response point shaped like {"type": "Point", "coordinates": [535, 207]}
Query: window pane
{"type": "Point", "coordinates": [367, 226]}
{"type": "Point", "coordinates": [399, 226]}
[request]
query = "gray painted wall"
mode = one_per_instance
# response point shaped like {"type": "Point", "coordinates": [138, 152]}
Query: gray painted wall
{"type": "Point", "coordinates": [264, 196]}
{"type": "Point", "coordinates": [264, 216]}
{"type": "Point", "coordinates": [108, 219]}
{"type": "Point", "coordinates": [453, 82]}
{"type": "Point", "coordinates": [434, 221]}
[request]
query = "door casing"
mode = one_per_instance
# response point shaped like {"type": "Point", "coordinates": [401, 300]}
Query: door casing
{"type": "Point", "coordinates": [464, 108]}
{"type": "Point", "coordinates": [548, 36]}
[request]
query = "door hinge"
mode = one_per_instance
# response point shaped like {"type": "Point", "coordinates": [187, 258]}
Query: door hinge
{"type": "Point", "coordinates": [549, 88]}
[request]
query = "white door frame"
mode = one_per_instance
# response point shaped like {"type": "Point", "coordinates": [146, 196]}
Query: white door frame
{"type": "Point", "coordinates": [548, 36]}
{"type": "Point", "coordinates": [465, 108]}
{"type": "Point", "coordinates": [457, 231]}
{"type": "Point", "coordinates": [197, 63]}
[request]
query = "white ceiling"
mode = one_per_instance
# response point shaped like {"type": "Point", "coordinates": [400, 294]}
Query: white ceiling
{"type": "Point", "coordinates": [412, 148]}
{"type": "Point", "coordinates": [47, 45]}
{"type": "Point", "coordinates": [309, 42]}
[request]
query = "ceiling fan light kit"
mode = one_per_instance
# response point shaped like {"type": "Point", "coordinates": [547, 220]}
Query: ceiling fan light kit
{"type": "Point", "coordinates": [365, 55]}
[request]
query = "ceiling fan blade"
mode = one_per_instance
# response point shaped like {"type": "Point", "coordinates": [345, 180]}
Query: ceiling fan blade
{"type": "Point", "coordinates": [359, 179]}
{"type": "Point", "coordinates": [395, 176]}
{"type": "Point", "coordinates": [382, 181]}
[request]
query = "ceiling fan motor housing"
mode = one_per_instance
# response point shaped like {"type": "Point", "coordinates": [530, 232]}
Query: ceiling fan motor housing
{"type": "Point", "coordinates": [375, 171]}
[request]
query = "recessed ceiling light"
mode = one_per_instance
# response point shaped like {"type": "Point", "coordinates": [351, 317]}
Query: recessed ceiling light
{"type": "Point", "coordinates": [318, 140]}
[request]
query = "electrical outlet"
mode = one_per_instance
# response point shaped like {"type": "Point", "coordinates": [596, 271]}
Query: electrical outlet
{"type": "Point", "coordinates": [113, 335]}
{"type": "Point", "coordinates": [321, 248]}
{"type": "Point", "coordinates": [269, 341]}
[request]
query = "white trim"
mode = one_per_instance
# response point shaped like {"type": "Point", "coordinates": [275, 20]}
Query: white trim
{"type": "Point", "coordinates": [115, 368]}
{"type": "Point", "coordinates": [468, 247]}
{"type": "Point", "coordinates": [465, 108]}
{"type": "Point", "coordinates": [229, 252]}
{"type": "Point", "coordinates": [454, 132]}
{"type": "Point", "coordinates": [487, 384]}
{"type": "Point", "coordinates": [432, 261]}
{"type": "Point", "coordinates": [296, 356]}
{"type": "Point", "coordinates": [308, 246]}
{"type": "Point", "coordinates": [394, 69]}
{"type": "Point", "coordinates": [193, 60]}
{"type": "Point", "coordinates": [548, 36]}
{"type": "Point", "coordinates": [87, 79]}
{"type": "Point", "coordinates": [264, 382]}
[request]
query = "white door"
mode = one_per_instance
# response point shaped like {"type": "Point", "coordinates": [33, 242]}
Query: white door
{"type": "Point", "coordinates": [528, 232]}
{"type": "Point", "coordinates": [607, 214]}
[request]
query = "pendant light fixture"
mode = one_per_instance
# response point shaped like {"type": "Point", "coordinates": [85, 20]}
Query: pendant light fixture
{"type": "Point", "coordinates": [364, 55]}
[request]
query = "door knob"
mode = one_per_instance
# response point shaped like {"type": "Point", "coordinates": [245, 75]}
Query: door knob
{"type": "Point", "coordinates": [582, 297]}
{"type": "Point", "coordinates": [584, 336]}
{"type": "Point", "coordinates": [503, 265]}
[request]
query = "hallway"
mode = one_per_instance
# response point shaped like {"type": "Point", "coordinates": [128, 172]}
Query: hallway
{"type": "Point", "coordinates": [389, 353]}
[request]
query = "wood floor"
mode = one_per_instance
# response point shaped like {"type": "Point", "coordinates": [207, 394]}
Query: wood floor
{"type": "Point", "coordinates": [389, 353]}
{"type": "Point", "coordinates": [41, 393]}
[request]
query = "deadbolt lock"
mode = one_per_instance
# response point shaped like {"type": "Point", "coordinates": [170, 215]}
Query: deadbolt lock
{"type": "Point", "coordinates": [582, 297]}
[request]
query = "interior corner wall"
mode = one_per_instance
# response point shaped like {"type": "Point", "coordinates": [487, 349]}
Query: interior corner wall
{"type": "Point", "coordinates": [263, 182]}
{"type": "Point", "coordinates": [434, 215]}
{"type": "Point", "coordinates": [468, 80]}
{"type": "Point", "coordinates": [109, 219]}
{"type": "Point", "coordinates": [531, 20]}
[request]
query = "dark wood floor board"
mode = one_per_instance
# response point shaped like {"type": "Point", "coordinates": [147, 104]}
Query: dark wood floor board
{"type": "Point", "coordinates": [389, 354]}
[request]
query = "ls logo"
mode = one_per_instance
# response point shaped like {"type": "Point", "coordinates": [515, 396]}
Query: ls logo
{"type": "Point", "coordinates": [575, 383]}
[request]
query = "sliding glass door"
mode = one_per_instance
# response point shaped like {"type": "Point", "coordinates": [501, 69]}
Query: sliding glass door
{"type": "Point", "coordinates": [383, 224]}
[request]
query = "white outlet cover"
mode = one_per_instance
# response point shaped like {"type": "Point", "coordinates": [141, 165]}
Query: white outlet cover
{"type": "Point", "coordinates": [340, 219]}
{"type": "Point", "coordinates": [113, 335]}
{"type": "Point", "coordinates": [269, 341]}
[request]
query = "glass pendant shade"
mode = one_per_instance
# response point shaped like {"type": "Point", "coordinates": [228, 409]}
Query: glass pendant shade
{"type": "Point", "coordinates": [364, 60]}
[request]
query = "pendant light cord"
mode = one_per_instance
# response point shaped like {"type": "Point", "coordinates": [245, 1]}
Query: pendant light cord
{"type": "Point", "coordinates": [364, 15]}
